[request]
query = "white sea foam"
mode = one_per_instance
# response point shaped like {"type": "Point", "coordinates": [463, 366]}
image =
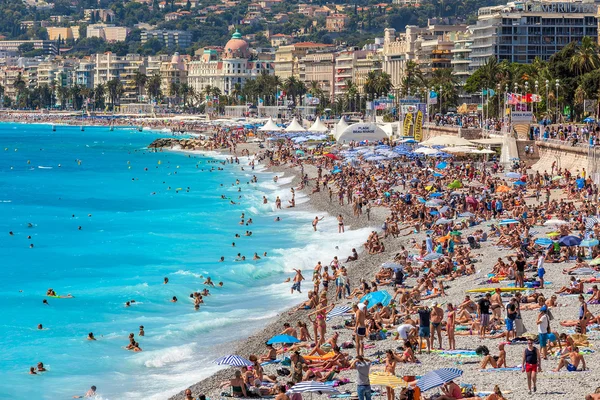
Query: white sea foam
{"type": "Point", "coordinates": [163, 357]}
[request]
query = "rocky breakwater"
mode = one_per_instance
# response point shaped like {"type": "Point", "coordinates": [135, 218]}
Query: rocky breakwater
{"type": "Point", "coordinates": [179, 144]}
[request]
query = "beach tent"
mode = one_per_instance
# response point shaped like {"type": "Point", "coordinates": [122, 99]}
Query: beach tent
{"type": "Point", "coordinates": [339, 128]}
{"type": "Point", "coordinates": [295, 126]}
{"type": "Point", "coordinates": [361, 132]}
{"type": "Point", "coordinates": [270, 126]}
{"type": "Point", "coordinates": [426, 150]}
{"type": "Point", "coordinates": [447, 140]}
{"type": "Point", "coordinates": [318, 126]}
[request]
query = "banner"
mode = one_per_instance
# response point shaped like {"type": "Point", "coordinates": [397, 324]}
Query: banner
{"type": "Point", "coordinates": [433, 97]}
{"type": "Point", "coordinates": [521, 116]}
{"type": "Point", "coordinates": [418, 130]}
{"type": "Point", "coordinates": [408, 119]}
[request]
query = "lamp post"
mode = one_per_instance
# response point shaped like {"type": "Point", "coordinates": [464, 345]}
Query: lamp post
{"type": "Point", "coordinates": [440, 100]}
{"type": "Point", "coordinates": [557, 84]}
{"type": "Point", "coordinates": [536, 92]}
{"type": "Point", "coordinates": [499, 87]}
{"type": "Point", "coordinates": [547, 83]}
{"type": "Point", "coordinates": [526, 92]}
{"type": "Point", "coordinates": [505, 101]}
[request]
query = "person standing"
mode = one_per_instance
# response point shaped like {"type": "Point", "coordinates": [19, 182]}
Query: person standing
{"type": "Point", "coordinates": [511, 316]}
{"type": "Point", "coordinates": [363, 384]}
{"type": "Point", "coordinates": [361, 328]}
{"type": "Point", "coordinates": [543, 325]}
{"type": "Point", "coordinates": [451, 325]}
{"type": "Point", "coordinates": [437, 316]}
{"type": "Point", "coordinates": [520, 273]}
{"type": "Point", "coordinates": [424, 330]}
{"type": "Point", "coordinates": [483, 308]}
{"type": "Point", "coordinates": [532, 364]}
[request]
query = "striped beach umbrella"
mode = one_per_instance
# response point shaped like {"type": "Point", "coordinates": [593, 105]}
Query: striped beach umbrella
{"type": "Point", "coordinates": [337, 311]}
{"type": "Point", "coordinates": [312, 387]}
{"type": "Point", "coordinates": [509, 221]}
{"type": "Point", "coordinates": [590, 222]}
{"type": "Point", "coordinates": [589, 243]}
{"type": "Point", "coordinates": [387, 380]}
{"type": "Point", "coordinates": [437, 378]}
{"type": "Point", "coordinates": [233, 361]}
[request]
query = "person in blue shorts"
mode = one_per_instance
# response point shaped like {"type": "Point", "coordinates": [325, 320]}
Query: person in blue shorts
{"type": "Point", "coordinates": [424, 328]}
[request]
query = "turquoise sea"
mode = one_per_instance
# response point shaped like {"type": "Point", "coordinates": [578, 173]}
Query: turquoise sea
{"type": "Point", "coordinates": [136, 229]}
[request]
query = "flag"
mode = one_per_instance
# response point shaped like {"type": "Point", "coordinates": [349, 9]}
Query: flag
{"type": "Point", "coordinates": [408, 119]}
{"type": "Point", "coordinates": [536, 98]}
{"type": "Point", "coordinates": [528, 98]}
{"type": "Point", "coordinates": [418, 130]}
{"type": "Point", "coordinates": [260, 101]}
{"type": "Point", "coordinates": [511, 99]}
{"type": "Point", "coordinates": [484, 92]}
{"type": "Point", "coordinates": [491, 92]}
{"type": "Point", "coordinates": [433, 97]}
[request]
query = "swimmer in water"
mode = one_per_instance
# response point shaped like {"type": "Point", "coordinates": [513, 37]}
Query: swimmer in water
{"type": "Point", "coordinates": [89, 393]}
{"type": "Point", "coordinates": [136, 347]}
{"type": "Point", "coordinates": [166, 281]}
{"type": "Point", "coordinates": [249, 221]}
{"type": "Point", "coordinates": [222, 259]}
{"type": "Point", "coordinates": [11, 233]}
{"type": "Point", "coordinates": [32, 371]}
{"type": "Point", "coordinates": [142, 333]}
{"type": "Point", "coordinates": [91, 336]}
{"type": "Point", "coordinates": [128, 304]}
{"type": "Point", "coordinates": [277, 219]}
{"type": "Point", "coordinates": [232, 244]}
{"type": "Point", "coordinates": [265, 254]}
{"type": "Point", "coordinates": [40, 326]}
{"type": "Point", "coordinates": [237, 235]}
{"type": "Point", "coordinates": [31, 246]}
{"type": "Point", "coordinates": [209, 282]}
{"type": "Point", "coordinates": [220, 284]}
{"type": "Point", "coordinates": [256, 257]}
{"type": "Point", "coordinates": [45, 302]}
{"type": "Point", "coordinates": [40, 367]}
{"type": "Point", "coordinates": [316, 221]}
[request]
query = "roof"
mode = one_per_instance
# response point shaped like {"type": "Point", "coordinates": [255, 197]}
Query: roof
{"type": "Point", "coordinates": [311, 44]}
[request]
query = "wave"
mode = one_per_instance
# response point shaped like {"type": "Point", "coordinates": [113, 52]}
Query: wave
{"type": "Point", "coordinates": [164, 357]}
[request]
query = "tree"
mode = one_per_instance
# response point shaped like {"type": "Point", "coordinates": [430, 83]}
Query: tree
{"type": "Point", "coordinates": [585, 58]}
{"type": "Point", "coordinates": [294, 88]}
{"type": "Point", "coordinates": [99, 96]}
{"type": "Point", "coordinates": [413, 76]}
{"type": "Point", "coordinates": [115, 90]}
{"type": "Point", "coordinates": [153, 87]}
{"type": "Point", "coordinates": [140, 79]}
{"type": "Point", "coordinates": [443, 78]}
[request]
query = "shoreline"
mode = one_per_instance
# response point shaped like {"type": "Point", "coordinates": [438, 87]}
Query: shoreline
{"type": "Point", "coordinates": [319, 203]}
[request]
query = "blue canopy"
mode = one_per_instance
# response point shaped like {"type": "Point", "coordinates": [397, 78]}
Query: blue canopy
{"type": "Point", "coordinates": [381, 296]}
{"type": "Point", "coordinates": [569, 241]}
{"type": "Point", "coordinates": [588, 120]}
{"type": "Point", "coordinates": [544, 242]}
{"type": "Point", "coordinates": [437, 194]}
{"type": "Point", "coordinates": [437, 378]}
{"type": "Point", "coordinates": [441, 165]}
{"type": "Point", "coordinates": [282, 339]}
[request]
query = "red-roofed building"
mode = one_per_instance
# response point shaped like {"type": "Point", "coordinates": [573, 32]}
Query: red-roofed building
{"type": "Point", "coordinates": [336, 22]}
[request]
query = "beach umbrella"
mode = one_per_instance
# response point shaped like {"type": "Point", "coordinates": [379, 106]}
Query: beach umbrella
{"type": "Point", "coordinates": [557, 177]}
{"type": "Point", "coordinates": [332, 156]}
{"type": "Point", "coordinates": [589, 243]}
{"type": "Point", "coordinates": [443, 238]}
{"type": "Point", "coordinates": [502, 189]}
{"type": "Point", "coordinates": [520, 183]}
{"type": "Point", "coordinates": [438, 194]}
{"type": "Point", "coordinates": [282, 339]}
{"type": "Point", "coordinates": [553, 234]}
{"type": "Point", "coordinates": [589, 120]}
{"type": "Point", "coordinates": [312, 387]}
{"type": "Point", "coordinates": [337, 311]}
{"type": "Point", "coordinates": [555, 222]}
{"type": "Point", "coordinates": [590, 222]}
{"type": "Point", "coordinates": [466, 214]}
{"type": "Point", "coordinates": [434, 212]}
{"type": "Point", "coordinates": [456, 184]}
{"type": "Point", "coordinates": [391, 265]}
{"type": "Point", "coordinates": [513, 175]}
{"type": "Point", "coordinates": [381, 296]}
{"type": "Point", "coordinates": [387, 380]}
{"type": "Point", "coordinates": [233, 361]}
{"type": "Point", "coordinates": [471, 200]}
{"type": "Point", "coordinates": [437, 378]}
{"type": "Point", "coordinates": [336, 171]}
{"type": "Point", "coordinates": [437, 175]}
{"type": "Point", "coordinates": [441, 165]}
{"type": "Point", "coordinates": [432, 203]}
{"type": "Point", "coordinates": [544, 242]}
{"type": "Point", "coordinates": [508, 222]}
{"type": "Point", "coordinates": [432, 256]}
{"type": "Point", "coordinates": [300, 152]}
{"type": "Point", "coordinates": [569, 241]}
{"type": "Point", "coordinates": [443, 221]}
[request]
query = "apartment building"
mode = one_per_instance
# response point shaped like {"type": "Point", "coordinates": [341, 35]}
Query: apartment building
{"type": "Point", "coordinates": [169, 39]}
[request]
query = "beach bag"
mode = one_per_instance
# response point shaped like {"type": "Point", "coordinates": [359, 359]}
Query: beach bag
{"type": "Point", "coordinates": [283, 372]}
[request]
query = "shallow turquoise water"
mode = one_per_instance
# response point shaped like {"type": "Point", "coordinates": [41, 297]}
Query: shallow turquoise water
{"type": "Point", "coordinates": [141, 229]}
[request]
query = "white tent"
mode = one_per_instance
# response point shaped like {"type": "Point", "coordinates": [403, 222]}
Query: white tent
{"type": "Point", "coordinates": [318, 126]}
{"type": "Point", "coordinates": [447, 140]}
{"type": "Point", "coordinates": [270, 126]}
{"type": "Point", "coordinates": [362, 131]}
{"type": "Point", "coordinates": [295, 126]}
{"type": "Point", "coordinates": [339, 128]}
{"type": "Point", "coordinates": [426, 150]}
{"type": "Point", "coordinates": [458, 149]}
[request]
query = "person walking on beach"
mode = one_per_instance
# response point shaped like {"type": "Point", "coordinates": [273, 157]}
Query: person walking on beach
{"type": "Point", "coordinates": [316, 221]}
{"type": "Point", "coordinates": [361, 329]}
{"type": "Point", "coordinates": [363, 384]}
{"type": "Point", "coordinates": [532, 364]}
{"type": "Point", "coordinates": [483, 308]}
{"type": "Point", "coordinates": [340, 223]}
{"type": "Point", "coordinates": [543, 325]}
{"type": "Point", "coordinates": [298, 278]}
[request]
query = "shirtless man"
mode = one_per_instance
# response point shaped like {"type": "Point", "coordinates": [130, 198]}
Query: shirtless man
{"type": "Point", "coordinates": [361, 329]}
{"type": "Point", "coordinates": [298, 278]}
{"type": "Point", "coordinates": [288, 330]}
{"type": "Point", "coordinates": [497, 305]}
{"type": "Point", "coordinates": [316, 221]}
{"type": "Point", "coordinates": [437, 315]}
{"type": "Point", "coordinates": [574, 360]}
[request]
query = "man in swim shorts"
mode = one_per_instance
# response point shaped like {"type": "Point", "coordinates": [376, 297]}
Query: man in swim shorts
{"type": "Point", "coordinates": [424, 331]}
{"type": "Point", "coordinates": [574, 360]}
{"type": "Point", "coordinates": [361, 329]}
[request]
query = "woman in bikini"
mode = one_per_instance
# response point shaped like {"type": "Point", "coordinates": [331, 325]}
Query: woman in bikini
{"type": "Point", "coordinates": [340, 223]}
{"type": "Point", "coordinates": [450, 325]}
{"type": "Point", "coordinates": [390, 369]}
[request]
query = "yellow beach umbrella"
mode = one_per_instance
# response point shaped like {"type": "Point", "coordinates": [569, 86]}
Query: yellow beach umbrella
{"type": "Point", "coordinates": [552, 234]}
{"type": "Point", "coordinates": [387, 380]}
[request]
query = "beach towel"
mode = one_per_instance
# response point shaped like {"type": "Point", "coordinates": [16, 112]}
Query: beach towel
{"type": "Point", "coordinates": [270, 362]}
{"type": "Point", "coordinates": [326, 356]}
{"type": "Point", "coordinates": [518, 368]}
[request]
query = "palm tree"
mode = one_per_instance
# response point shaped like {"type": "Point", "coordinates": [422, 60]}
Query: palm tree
{"type": "Point", "coordinates": [99, 96]}
{"type": "Point", "coordinates": [383, 85]}
{"type": "Point", "coordinates": [236, 92]}
{"type": "Point", "coordinates": [349, 95]}
{"type": "Point", "coordinates": [294, 88]}
{"type": "Point", "coordinates": [444, 79]}
{"type": "Point", "coordinates": [140, 79]}
{"type": "Point", "coordinates": [370, 85]}
{"type": "Point", "coordinates": [153, 87]}
{"type": "Point", "coordinates": [585, 58]}
{"type": "Point", "coordinates": [185, 91]}
{"type": "Point", "coordinates": [413, 77]}
{"type": "Point", "coordinates": [63, 94]}
{"type": "Point", "coordinates": [115, 91]}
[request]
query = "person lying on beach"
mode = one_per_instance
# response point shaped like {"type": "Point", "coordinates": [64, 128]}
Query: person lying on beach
{"type": "Point", "coordinates": [575, 287]}
{"type": "Point", "coordinates": [572, 364]}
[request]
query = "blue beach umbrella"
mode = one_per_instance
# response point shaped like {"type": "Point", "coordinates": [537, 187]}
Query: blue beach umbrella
{"type": "Point", "coordinates": [508, 222]}
{"type": "Point", "coordinates": [589, 120]}
{"type": "Point", "coordinates": [436, 194]}
{"type": "Point", "coordinates": [520, 183]}
{"type": "Point", "coordinates": [312, 387]}
{"type": "Point", "coordinates": [233, 361]}
{"type": "Point", "coordinates": [569, 241]}
{"type": "Point", "coordinates": [466, 214]}
{"type": "Point", "coordinates": [282, 339]}
{"type": "Point", "coordinates": [513, 175]}
{"type": "Point", "coordinates": [438, 377]}
{"type": "Point", "coordinates": [437, 175]}
{"type": "Point", "coordinates": [381, 296]}
{"type": "Point", "coordinates": [441, 165]}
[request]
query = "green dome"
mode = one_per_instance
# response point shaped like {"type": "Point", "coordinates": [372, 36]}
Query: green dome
{"type": "Point", "coordinates": [236, 35]}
